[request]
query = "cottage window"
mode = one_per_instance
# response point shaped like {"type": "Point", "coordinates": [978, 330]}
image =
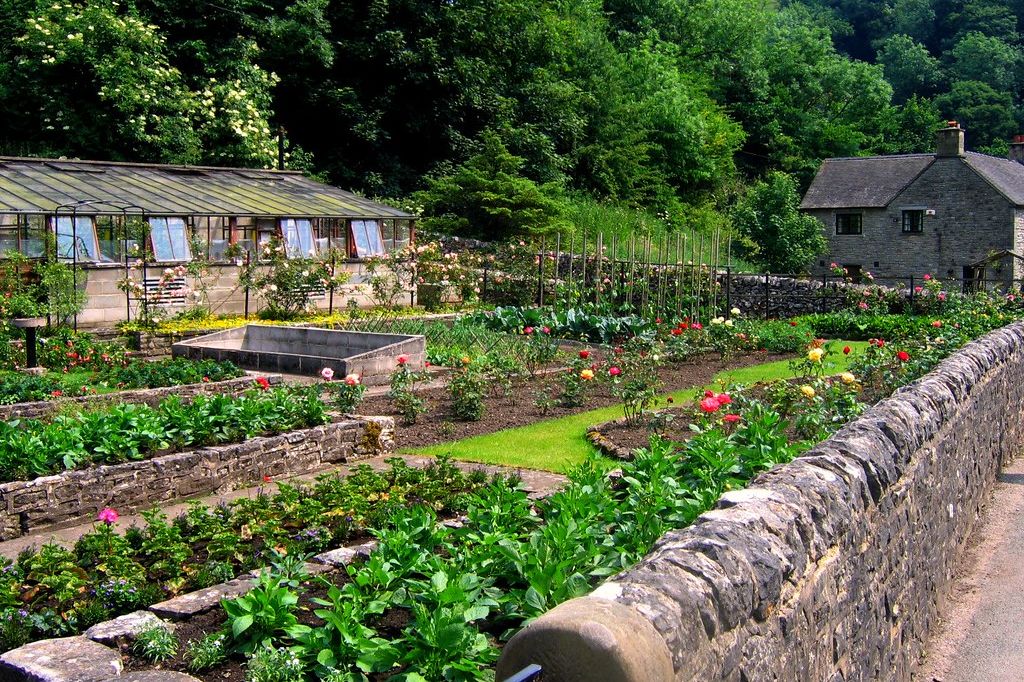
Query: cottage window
{"type": "Point", "coordinates": [849, 223]}
{"type": "Point", "coordinates": [298, 237]}
{"type": "Point", "coordinates": [76, 238]}
{"type": "Point", "coordinates": [169, 239]}
{"type": "Point", "coordinates": [913, 220]}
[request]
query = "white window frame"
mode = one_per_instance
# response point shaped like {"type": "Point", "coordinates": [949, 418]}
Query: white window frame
{"type": "Point", "coordinates": [171, 250]}
{"type": "Point", "coordinates": [298, 237]}
{"type": "Point", "coordinates": [366, 238]}
{"type": "Point", "coordinates": [84, 231]}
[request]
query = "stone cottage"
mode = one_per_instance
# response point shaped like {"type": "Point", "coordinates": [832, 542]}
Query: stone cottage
{"type": "Point", "coordinates": [944, 214]}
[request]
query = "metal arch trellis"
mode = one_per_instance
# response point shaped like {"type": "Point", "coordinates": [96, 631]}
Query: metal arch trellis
{"type": "Point", "coordinates": [72, 209]}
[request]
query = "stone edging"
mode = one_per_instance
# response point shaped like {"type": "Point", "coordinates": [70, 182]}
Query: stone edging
{"type": "Point", "coordinates": [71, 497]}
{"type": "Point", "coordinates": [830, 567]}
{"type": "Point", "coordinates": [604, 444]}
{"type": "Point", "coordinates": [148, 396]}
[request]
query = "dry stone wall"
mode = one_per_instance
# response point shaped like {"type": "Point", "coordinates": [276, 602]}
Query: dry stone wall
{"type": "Point", "coordinates": [831, 567]}
{"type": "Point", "coordinates": [77, 496]}
{"type": "Point", "coordinates": [771, 296]}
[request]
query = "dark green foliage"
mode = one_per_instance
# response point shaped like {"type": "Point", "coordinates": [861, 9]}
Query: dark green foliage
{"type": "Point", "coordinates": [488, 198]}
{"type": "Point", "coordinates": [172, 372]}
{"type": "Point", "coordinates": [30, 447]}
{"type": "Point", "coordinates": [781, 239]}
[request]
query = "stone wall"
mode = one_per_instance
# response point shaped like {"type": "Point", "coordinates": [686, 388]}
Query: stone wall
{"type": "Point", "coordinates": [831, 567]}
{"type": "Point", "coordinates": [147, 396]}
{"type": "Point", "coordinates": [77, 496]}
{"type": "Point", "coordinates": [771, 296]}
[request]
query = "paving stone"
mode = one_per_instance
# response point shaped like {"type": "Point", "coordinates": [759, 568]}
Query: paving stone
{"type": "Point", "coordinates": [153, 676]}
{"type": "Point", "coordinates": [342, 556]}
{"type": "Point", "coordinates": [311, 568]}
{"type": "Point", "coordinates": [200, 601]}
{"type": "Point", "coordinates": [126, 627]}
{"type": "Point", "coordinates": [68, 659]}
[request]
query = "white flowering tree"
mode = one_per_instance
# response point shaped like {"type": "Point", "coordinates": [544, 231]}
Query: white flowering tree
{"type": "Point", "coordinates": [95, 80]}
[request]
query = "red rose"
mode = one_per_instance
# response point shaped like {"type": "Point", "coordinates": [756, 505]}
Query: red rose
{"type": "Point", "coordinates": [731, 418]}
{"type": "Point", "coordinates": [903, 356]}
{"type": "Point", "coordinates": [584, 354]}
{"type": "Point", "coordinates": [846, 350]}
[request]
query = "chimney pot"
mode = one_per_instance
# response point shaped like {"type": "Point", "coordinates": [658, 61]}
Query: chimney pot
{"type": "Point", "coordinates": [1016, 152]}
{"type": "Point", "coordinates": [950, 140]}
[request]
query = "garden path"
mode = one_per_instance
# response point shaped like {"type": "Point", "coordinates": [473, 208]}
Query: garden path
{"type": "Point", "coordinates": [979, 636]}
{"type": "Point", "coordinates": [538, 483]}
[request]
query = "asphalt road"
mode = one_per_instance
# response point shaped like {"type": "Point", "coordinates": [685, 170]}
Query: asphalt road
{"type": "Point", "coordinates": [981, 637]}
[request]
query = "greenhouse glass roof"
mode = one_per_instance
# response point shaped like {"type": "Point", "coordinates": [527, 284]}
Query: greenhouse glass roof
{"type": "Point", "coordinates": [33, 186]}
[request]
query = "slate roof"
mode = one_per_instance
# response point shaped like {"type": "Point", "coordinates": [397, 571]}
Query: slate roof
{"type": "Point", "coordinates": [102, 187]}
{"type": "Point", "coordinates": [863, 181]}
{"type": "Point", "coordinates": [1005, 175]}
{"type": "Point", "coordinates": [874, 181]}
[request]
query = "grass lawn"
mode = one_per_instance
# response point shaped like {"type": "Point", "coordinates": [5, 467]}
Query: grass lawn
{"type": "Point", "coordinates": [560, 444]}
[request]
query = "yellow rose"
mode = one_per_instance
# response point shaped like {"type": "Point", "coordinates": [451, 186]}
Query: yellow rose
{"type": "Point", "coordinates": [815, 354]}
{"type": "Point", "coordinates": [586, 375]}
{"type": "Point", "coordinates": [807, 391]}
{"type": "Point", "coordinates": [847, 378]}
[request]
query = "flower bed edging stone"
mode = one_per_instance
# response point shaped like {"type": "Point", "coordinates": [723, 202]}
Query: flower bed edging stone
{"type": "Point", "coordinates": [831, 567]}
{"type": "Point", "coordinates": [72, 497]}
{"type": "Point", "coordinates": [148, 396]}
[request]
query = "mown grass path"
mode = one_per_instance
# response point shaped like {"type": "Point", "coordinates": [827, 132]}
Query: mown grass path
{"type": "Point", "coordinates": [560, 444]}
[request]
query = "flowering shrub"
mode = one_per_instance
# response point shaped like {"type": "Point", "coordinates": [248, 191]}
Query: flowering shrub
{"type": "Point", "coordinates": [285, 284]}
{"type": "Point", "coordinates": [540, 348]}
{"type": "Point", "coordinates": [635, 382]}
{"type": "Point", "coordinates": [345, 394]}
{"type": "Point", "coordinates": [63, 350]}
{"type": "Point", "coordinates": [576, 379]}
{"type": "Point", "coordinates": [403, 382]}
{"type": "Point", "coordinates": [467, 388]}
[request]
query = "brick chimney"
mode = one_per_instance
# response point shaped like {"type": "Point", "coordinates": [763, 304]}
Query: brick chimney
{"type": "Point", "coordinates": [949, 141]}
{"type": "Point", "coordinates": [1017, 149]}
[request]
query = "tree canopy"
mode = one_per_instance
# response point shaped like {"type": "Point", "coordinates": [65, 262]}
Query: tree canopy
{"type": "Point", "coordinates": [669, 105]}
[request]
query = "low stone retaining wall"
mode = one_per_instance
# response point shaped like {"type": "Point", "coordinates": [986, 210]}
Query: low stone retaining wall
{"type": "Point", "coordinates": [831, 567]}
{"type": "Point", "coordinates": [77, 496]}
{"type": "Point", "coordinates": [770, 296]}
{"type": "Point", "coordinates": [148, 396]}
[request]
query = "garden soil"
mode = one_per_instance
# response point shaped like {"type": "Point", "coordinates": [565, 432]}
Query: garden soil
{"type": "Point", "coordinates": [517, 407]}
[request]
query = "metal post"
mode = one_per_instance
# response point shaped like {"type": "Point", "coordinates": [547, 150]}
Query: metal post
{"type": "Point", "coordinates": [540, 273]}
{"type": "Point", "coordinates": [728, 289]}
{"type": "Point", "coordinates": [330, 296]}
{"type": "Point", "coordinates": [911, 292]}
{"type": "Point", "coordinates": [247, 261]}
{"type": "Point", "coordinates": [767, 296]}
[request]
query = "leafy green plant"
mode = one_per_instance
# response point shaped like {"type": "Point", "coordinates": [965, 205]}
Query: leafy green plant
{"type": "Point", "coordinates": [170, 372]}
{"type": "Point", "coordinates": [155, 644]}
{"type": "Point", "coordinates": [261, 616]}
{"type": "Point", "coordinates": [467, 388]}
{"type": "Point", "coordinates": [207, 651]}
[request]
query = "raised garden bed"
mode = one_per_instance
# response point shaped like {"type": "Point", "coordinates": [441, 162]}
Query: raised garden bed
{"type": "Point", "coordinates": [161, 563]}
{"type": "Point", "coordinates": [142, 396]}
{"type": "Point", "coordinates": [76, 496]}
